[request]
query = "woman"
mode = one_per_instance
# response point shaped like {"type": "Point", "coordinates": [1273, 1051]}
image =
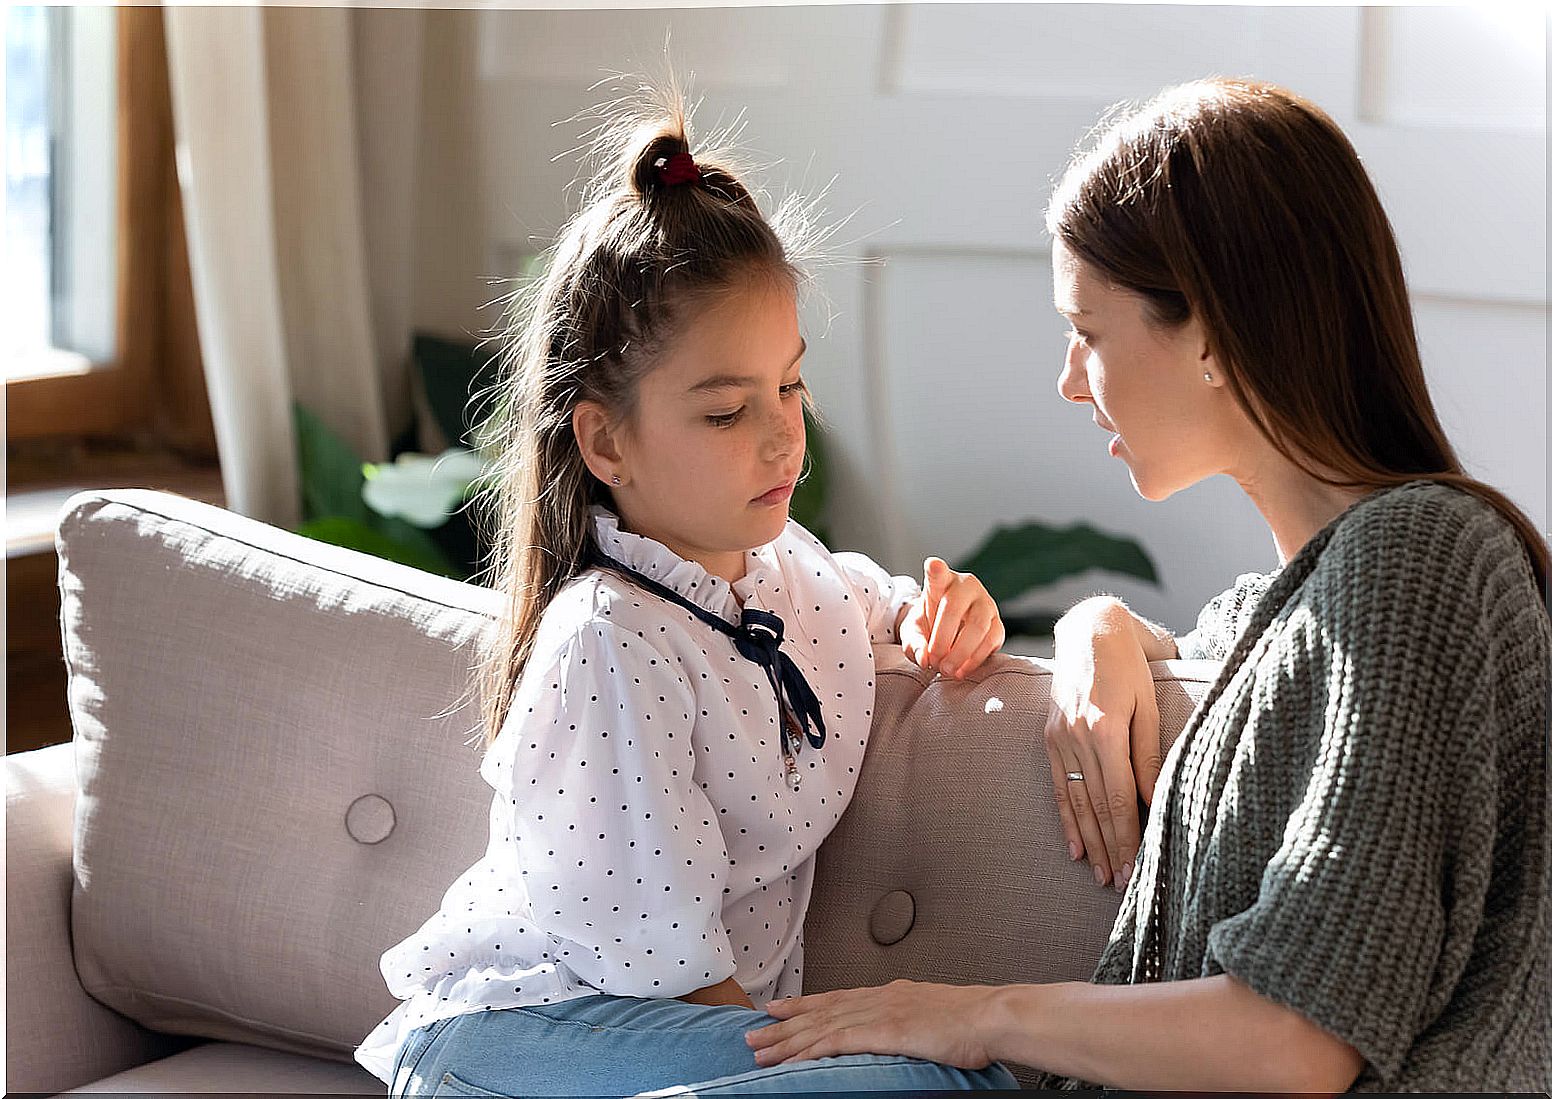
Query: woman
{"type": "Point", "coordinates": [1343, 881]}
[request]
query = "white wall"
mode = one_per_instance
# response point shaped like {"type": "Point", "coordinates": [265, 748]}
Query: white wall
{"type": "Point", "coordinates": [944, 126]}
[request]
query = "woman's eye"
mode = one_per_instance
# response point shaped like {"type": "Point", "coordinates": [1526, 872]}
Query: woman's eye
{"type": "Point", "coordinates": [799, 386]}
{"type": "Point", "coordinates": [726, 419]}
{"type": "Point", "coordinates": [1080, 337]}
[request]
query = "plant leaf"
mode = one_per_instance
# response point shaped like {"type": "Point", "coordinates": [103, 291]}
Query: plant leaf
{"type": "Point", "coordinates": [452, 371]}
{"type": "Point", "coordinates": [415, 549]}
{"type": "Point", "coordinates": [330, 470]}
{"type": "Point", "coordinates": [1012, 560]}
{"type": "Point", "coordinates": [808, 498]}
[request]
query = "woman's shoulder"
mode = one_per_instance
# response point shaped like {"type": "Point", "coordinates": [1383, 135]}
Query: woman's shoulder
{"type": "Point", "coordinates": [1425, 555]}
{"type": "Point", "coordinates": [1429, 533]}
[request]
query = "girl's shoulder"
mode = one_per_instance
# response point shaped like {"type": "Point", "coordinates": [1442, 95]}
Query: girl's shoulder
{"type": "Point", "coordinates": [597, 609]}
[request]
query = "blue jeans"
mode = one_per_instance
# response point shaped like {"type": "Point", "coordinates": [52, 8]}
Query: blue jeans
{"type": "Point", "coordinates": [620, 1045]}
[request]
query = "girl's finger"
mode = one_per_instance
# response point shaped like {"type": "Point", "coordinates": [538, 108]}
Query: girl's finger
{"type": "Point", "coordinates": [993, 640]}
{"type": "Point", "coordinates": [950, 619]}
{"type": "Point", "coordinates": [972, 635]}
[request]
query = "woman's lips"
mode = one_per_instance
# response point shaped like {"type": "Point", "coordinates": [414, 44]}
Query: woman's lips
{"type": "Point", "coordinates": [777, 495]}
{"type": "Point", "coordinates": [1115, 445]}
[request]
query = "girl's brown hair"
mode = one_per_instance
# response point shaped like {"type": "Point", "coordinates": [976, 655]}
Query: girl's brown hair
{"type": "Point", "coordinates": [620, 277]}
{"type": "Point", "coordinates": [1244, 205]}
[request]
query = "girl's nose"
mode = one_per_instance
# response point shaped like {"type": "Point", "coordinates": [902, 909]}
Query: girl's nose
{"type": "Point", "coordinates": [784, 435]}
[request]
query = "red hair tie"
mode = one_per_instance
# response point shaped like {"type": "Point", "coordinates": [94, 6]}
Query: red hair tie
{"type": "Point", "coordinates": [677, 169]}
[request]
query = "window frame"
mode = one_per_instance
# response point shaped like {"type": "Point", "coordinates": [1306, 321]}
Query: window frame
{"type": "Point", "coordinates": [118, 397]}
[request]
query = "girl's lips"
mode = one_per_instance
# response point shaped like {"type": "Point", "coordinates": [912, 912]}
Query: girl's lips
{"type": "Point", "coordinates": [777, 495]}
{"type": "Point", "coordinates": [1115, 445]}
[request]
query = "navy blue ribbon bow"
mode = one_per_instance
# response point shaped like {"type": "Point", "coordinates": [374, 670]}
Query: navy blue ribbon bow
{"type": "Point", "coordinates": [757, 637]}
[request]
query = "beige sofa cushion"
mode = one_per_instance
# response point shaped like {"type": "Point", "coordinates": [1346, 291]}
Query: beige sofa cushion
{"type": "Point", "coordinates": [950, 865]}
{"type": "Point", "coordinates": [275, 787]}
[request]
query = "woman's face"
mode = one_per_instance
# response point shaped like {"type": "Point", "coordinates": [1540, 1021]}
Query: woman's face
{"type": "Point", "coordinates": [1146, 381]}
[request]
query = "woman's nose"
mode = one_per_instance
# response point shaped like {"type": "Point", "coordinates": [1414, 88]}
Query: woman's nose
{"type": "Point", "coordinates": [1073, 382]}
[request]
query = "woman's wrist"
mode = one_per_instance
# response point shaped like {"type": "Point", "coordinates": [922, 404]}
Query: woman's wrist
{"type": "Point", "coordinates": [1094, 622]}
{"type": "Point", "coordinates": [1010, 1022]}
{"type": "Point", "coordinates": [1102, 620]}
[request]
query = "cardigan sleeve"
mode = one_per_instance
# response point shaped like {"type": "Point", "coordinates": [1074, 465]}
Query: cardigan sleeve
{"type": "Point", "coordinates": [1220, 622]}
{"type": "Point", "coordinates": [620, 853]}
{"type": "Point", "coordinates": [1364, 915]}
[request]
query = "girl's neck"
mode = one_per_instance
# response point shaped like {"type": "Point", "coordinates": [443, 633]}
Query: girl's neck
{"type": "Point", "coordinates": [729, 565]}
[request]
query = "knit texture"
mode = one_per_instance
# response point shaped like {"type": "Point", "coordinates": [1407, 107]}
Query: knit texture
{"type": "Point", "coordinates": [1354, 822]}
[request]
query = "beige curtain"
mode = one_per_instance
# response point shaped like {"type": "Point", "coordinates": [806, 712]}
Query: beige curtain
{"type": "Point", "coordinates": [297, 140]}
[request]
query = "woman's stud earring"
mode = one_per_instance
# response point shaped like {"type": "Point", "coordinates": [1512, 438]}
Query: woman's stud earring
{"type": "Point", "coordinates": [1207, 375]}
{"type": "Point", "coordinates": [615, 479]}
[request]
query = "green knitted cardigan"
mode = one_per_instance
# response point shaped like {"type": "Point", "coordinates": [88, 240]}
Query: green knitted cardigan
{"type": "Point", "coordinates": [1354, 821]}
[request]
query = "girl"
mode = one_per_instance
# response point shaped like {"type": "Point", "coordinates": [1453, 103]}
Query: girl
{"type": "Point", "coordinates": [1343, 879]}
{"type": "Point", "coordinates": [683, 685]}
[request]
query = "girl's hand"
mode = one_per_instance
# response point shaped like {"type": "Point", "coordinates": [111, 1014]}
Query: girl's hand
{"type": "Point", "coordinates": [933, 1022]}
{"type": "Point", "coordinates": [954, 626]}
{"type": "Point", "coordinates": [1104, 724]}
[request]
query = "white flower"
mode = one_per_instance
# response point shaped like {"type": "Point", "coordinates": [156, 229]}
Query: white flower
{"type": "Point", "coordinates": [419, 488]}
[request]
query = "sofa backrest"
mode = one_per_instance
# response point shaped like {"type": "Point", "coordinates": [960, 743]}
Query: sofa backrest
{"type": "Point", "coordinates": [277, 781]}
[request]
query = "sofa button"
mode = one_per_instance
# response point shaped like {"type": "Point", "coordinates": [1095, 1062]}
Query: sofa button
{"type": "Point", "coordinates": [370, 819]}
{"type": "Point", "coordinates": [892, 917]}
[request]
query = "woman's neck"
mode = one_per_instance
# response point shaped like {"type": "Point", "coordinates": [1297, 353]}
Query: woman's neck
{"type": "Point", "coordinates": [1294, 505]}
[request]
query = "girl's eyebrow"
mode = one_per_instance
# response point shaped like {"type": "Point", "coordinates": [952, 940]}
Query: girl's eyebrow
{"type": "Point", "coordinates": [737, 381]}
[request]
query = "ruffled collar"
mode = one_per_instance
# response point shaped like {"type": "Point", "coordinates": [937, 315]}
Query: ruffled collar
{"type": "Point", "coordinates": [762, 575]}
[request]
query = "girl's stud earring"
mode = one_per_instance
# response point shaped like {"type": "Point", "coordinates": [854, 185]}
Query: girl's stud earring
{"type": "Point", "coordinates": [1207, 375]}
{"type": "Point", "coordinates": [615, 479]}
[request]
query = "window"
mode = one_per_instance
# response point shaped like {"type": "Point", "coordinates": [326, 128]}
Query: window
{"type": "Point", "coordinates": [61, 190]}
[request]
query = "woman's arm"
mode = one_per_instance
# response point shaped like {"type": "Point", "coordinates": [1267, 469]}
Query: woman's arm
{"type": "Point", "coordinates": [1208, 1034]}
{"type": "Point", "coordinates": [1103, 724]}
{"type": "Point", "coordinates": [1212, 1033]}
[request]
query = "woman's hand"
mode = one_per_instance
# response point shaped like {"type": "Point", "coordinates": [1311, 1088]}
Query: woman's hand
{"type": "Point", "coordinates": [1103, 725]}
{"type": "Point", "coordinates": [933, 1022]}
{"type": "Point", "coordinates": [954, 625]}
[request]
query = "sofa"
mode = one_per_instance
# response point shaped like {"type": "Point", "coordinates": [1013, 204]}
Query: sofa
{"type": "Point", "coordinates": [273, 779]}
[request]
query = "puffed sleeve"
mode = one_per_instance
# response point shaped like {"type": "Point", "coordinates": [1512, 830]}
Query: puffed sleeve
{"type": "Point", "coordinates": [618, 846]}
{"type": "Point", "coordinates": [881, 595]}
{"type": "Point", "coordinates": [1220, 623]}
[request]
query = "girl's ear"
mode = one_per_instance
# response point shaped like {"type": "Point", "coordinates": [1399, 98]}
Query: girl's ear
{"type": "Point", "coordinates": [598, 442]}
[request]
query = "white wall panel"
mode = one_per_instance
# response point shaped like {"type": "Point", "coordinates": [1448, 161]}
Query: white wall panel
{"type": "Point", "coordinates": [944, 126]}
{"type": "Point", "coordinates": [1475, 68]}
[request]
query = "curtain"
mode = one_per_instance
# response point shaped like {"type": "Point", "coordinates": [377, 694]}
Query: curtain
{"type": "Point", "coordinates": [297, 137]}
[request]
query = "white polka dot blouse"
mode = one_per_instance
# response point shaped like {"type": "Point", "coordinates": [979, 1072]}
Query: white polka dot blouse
{"type": "Point", "coordinates": [644, 840]}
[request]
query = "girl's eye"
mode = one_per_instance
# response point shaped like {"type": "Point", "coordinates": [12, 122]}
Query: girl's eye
{"type": "Point", "coordinates": [1074, 334]}
{"type": "Point", "coordinates": [726, 419]}
{"type": "Point", "coordinates": [799, 386]}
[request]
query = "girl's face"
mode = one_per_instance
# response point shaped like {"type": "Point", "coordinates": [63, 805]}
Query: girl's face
{"type": "Point", "coordinates": [1168, 423]}
{"type": "Point", "coordinates": [709, 457]}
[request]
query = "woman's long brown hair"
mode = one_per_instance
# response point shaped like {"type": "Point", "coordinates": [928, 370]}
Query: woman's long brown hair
{"type": "Point", "coordinates": [1246, 206]}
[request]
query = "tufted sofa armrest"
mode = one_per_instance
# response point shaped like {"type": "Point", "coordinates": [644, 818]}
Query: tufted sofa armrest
{"type": "Point", "coordinates": [57, 1037]}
